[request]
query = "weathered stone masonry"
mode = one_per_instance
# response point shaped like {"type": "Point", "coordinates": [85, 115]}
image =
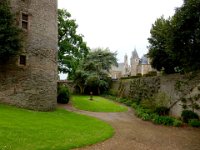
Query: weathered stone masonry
{"type": "Point", "coordinates": [33, 85]}
{"type": "Point", "coordinates": [174, 87]}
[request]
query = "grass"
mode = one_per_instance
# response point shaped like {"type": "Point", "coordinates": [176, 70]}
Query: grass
{"type": "Point", "coordinates": [22, 129]}
{"type": "Point", "coordinates": [98, 104]}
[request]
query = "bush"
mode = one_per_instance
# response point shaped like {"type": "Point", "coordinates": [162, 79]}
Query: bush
{"type": "Point", "coordinates": [177, 123]}
{"type": "Point", "coordinates": [63, 94]}
{"type": "Point", "coordinates": [188, 115]}
{"type": "Point", "coordinates": [151, 74]}
{"type": "Point", "coordinates": [165, 120]}
{"type": "Point", "coordinates": [194, 123]}
{"type": "Point", "coordinates": [162, 111]}
{"type": "Point", "coordinates": [148, 103]}
{"type": "Point", "coordinates": [112, 92]}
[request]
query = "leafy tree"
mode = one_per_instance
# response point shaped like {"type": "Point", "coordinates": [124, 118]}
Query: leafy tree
{"type": "Point", "coordinates": [186, 24]}
{"type": "Point", "coordinates": [160, 48]}
{"type": "Point", "coordinates": [175, 43]}
{"type": "Point", "coordinates": [93, 73]}
{"type": "Point", "coordinates": [72, 48]}
{"type": "Point", "coordinates": [10, 34]}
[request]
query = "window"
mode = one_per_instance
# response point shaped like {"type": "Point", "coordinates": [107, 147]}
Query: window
{"type": "Point", "coordinates": [24, 21]}
{"type": "Point", "coordinates": [22, 60]}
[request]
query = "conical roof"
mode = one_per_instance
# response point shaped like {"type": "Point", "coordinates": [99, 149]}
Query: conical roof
{"type": "Point", "coordinates": [135, 54]}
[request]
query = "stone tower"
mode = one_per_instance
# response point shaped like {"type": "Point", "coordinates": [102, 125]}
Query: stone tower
{"type": "Point", "coordinates": [134, 62]}
{"type": "Point", "coordinates": [29, 79]}
{"type": "Point", "coordinates": [126, 67]}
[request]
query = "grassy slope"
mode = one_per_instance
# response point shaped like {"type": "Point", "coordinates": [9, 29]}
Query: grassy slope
{"type": "Point", "coordinates": [28, 130]}
{"type": "Point", "coordinates": [98, 104]}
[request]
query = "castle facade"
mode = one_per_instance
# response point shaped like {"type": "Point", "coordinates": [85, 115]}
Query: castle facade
{"type": "Point", "coordinates": [29, 79]}
{"type": "Point", "coordinates": [137, 66]}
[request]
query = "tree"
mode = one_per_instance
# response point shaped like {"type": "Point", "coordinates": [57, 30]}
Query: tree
{"type": "Point", "coordinates": [10, 34]}
{"type": "Point", "coordinates": [175, 43]}
{"type": "Point", "coordinates": [72, 48]}
{"type": "Point", "coordinates": [160, 48]}
{"type": "Point", "coordinates": [186, 24]}
{"type": "Point", "coordinates": [93, 73]}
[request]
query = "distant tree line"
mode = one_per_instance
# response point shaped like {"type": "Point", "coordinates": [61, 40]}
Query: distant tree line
{"type": "Point", "coordinates": [175, 42]}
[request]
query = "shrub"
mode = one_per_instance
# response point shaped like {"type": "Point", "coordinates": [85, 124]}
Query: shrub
{"type": "Point", "coordinates": [177, 123]}
{"type": "Point", "coordinates": [147, 103]}
{"type": "Point", "coordinates": [128, 102]}
{"type": "Point", "coordinates": [150, 74]}
{"type": "Point", "coordinates": [162, 111]}
{"type": "Point", "coordinates": [138, 74]}
{"type": "Point", "coordinates": [194, 123]}
{"type": "Point", "coordinates": [63, 94]}
{"type": "Point", "coordinates": [188, 115]}
{"type": "Point", "coordinates": [165, 120]}
{"type": "Point", "coordinates": [113, 92]}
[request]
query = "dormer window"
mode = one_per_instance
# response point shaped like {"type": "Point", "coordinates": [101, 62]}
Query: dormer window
{"type": "Point", "coordinates": [24, 21]}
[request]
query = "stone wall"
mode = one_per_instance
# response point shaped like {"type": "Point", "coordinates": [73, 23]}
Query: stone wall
{"type": "Point", "coordinates": [175, 87]}
{"type": "Point", "coordinates": [33, 85]}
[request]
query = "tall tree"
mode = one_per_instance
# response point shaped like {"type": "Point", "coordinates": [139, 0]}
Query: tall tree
{"type": "Point", "coordinates": [72, 48]}
{"type": "Point", "coordinates": [186, 24]}
{"type": "Point", "coordinates": [175, 43]}
{"type": "Point", "coordinates": [93, 73]}
{"type": "Point", "coordinates": [160, 48]}
{"type": "Point", "coordinates": [10, 34]}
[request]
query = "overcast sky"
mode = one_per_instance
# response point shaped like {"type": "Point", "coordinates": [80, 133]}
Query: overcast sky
{"type": "Point", "coordinates": [120, 25]}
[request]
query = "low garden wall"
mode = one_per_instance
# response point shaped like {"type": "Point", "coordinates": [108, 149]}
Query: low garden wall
{"type": "Point", "coordinates": [176, 91]}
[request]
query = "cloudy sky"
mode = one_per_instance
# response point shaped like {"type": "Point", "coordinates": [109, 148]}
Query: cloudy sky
{"type": "Point", "coordinates": [120, 25]}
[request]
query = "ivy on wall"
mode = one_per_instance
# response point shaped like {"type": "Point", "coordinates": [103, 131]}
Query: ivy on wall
{"type": "Point", "coordinates": [10, 34]}
{"type": "Point", "coordinates": [143, 88]}
{"type": "Point", "coordinates": [189, 91]}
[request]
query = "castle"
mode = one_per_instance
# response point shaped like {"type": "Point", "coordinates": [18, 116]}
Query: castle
{"type": "Point", "coordinates": [137, 66]}
{"type": "Point", "coordinates": [29, 79]}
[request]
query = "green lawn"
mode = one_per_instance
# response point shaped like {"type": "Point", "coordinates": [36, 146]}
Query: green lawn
{"type": "Point", "coordinates": [22, 129]}
{"type": "Point", "coordinates": [98, 104]}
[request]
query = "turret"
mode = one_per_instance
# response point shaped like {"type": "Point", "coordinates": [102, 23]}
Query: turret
{"type": "Point", "coordinates": [29, 79]}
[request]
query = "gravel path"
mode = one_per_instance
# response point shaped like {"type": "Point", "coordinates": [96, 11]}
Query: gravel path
{"type": "Point", "coordinates": [131, 133]}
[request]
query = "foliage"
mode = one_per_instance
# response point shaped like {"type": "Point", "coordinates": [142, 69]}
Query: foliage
{"type": "Point", "coordinates": [98, 104]}
{"type": "Point", "coordinates": [160, 48]}
{"type": "Point", "coordinates": [10, 34]}
{"type": "Point", "coordinates": [149, 115]}
{"type": "Point", "coordinates": [148, 103]}
{"type": "Point", "coordinates": [162, 111]}
{"type": "Point", "coordinates": [30, 130]}
{"type": "Point", "coordinates": [143, 88]}
{"type": "Point", "coordinates": [188, 115]}
{"type": "Point", "coordinates": [164, 120]}
{"type": "Point", "coordinates": [63, 94]}
{"type": "Point", "coordinates": [93, 72]}
{"type": "Point", "coordinates": [177, 123]}
{"type": "Point", "coordinates": [72, 48]}
{"type": "Point", "coordinates": [175, 42]}
{"type": "Point", "coordinates": [194, 123]}
{"type": "Point", "coordinates": [112, 92]}
{"type": "Point", "coordinates": [185, 88]}
{"type": "Point", "coordinates": [186, 39]}
{"type": "Point", "coordinates": [161, 99]}
{"type": "Point", "coordinates": [151, 74]}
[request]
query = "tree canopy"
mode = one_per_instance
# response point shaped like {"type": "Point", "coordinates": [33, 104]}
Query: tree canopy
{"type": "Point", "coordinates": [72, 48]}
{"type": "Point", "coordinates": [175, 42]}
{"type": "Point", "coordinates": [10, 34]}
{"type": "Point", "coordinates": [160, 49]}
{"type": "Point", "coordinates": [93, 73]}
